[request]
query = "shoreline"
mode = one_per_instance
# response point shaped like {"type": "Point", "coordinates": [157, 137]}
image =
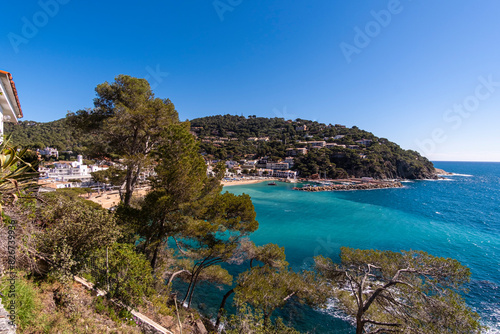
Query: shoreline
{"type": "Point", "coordinates": [244, 182]}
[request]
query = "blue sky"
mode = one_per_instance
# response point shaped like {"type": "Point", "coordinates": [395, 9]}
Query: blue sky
{"type": "Point", "coordinates": [424, 74]}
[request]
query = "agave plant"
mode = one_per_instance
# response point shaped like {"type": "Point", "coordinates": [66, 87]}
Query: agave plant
{"type": "Point", "coordinates": [15, 173]}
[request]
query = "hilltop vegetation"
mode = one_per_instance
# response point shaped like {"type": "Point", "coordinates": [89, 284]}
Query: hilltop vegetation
{"type": "Point", "coordinates": [56, 134]}
{"type": "Point", "coordinates": [227, 137]}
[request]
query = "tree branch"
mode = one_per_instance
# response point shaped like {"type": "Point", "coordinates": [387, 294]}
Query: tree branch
{"type": "Point", "coordinates": [380, 323]}
{"type": "Point", "coordinates": [177, 273]}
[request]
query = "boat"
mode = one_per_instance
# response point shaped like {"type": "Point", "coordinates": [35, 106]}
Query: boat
{"type": "Point", "coordinates": [271, 183]}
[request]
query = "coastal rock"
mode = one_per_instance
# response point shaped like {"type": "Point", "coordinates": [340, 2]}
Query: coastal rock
{"type": "Point", "coordinates": [359, 186]}
{"type": "Point", "coordinates": [439, 171]}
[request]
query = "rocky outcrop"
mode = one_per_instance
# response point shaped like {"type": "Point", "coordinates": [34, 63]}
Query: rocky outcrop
{"type": "Point", "coordinates": [359, 186]}
{"type": "Point", "coordinates": [438, 171]}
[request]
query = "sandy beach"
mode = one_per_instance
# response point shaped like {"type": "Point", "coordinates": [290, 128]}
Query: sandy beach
{"type": "Point", "coordinates": [110, 199]}
{"type": "Point", "coordinates": [244, 181]}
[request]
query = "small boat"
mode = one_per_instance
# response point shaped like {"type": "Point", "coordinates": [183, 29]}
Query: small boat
{"type": "Point", "coordinates": [271, 183]}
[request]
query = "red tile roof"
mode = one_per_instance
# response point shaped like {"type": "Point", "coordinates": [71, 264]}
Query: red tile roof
{"type": "Point", "coordinates": [13, 85]}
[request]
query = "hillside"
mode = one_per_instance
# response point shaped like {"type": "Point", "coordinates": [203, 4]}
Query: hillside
{"type": "Point", "coordinates": [237, 137]}
{"type": "Point", "coordinates": [33, 134]}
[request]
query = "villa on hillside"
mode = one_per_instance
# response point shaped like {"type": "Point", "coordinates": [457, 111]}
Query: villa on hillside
{"type": "Point", "coordinates": [363, 141]}
{"type": "Point", "coordinates": [65, 174]}
{"type": "Point", "coordinates": [49, 152]}
{"type": "Point", "coordinates": [9, 101]}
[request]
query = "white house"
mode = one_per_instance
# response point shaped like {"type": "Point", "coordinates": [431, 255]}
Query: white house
{"type": "Point", "coordinates": [231, 164]}
{"type": "Point", "coordinates": [286, 174]}
{"type": "Point", "coordinates": [290, 161]}
{"type": "Point", "coordinates": [65, 171]}
{"type": "Point", "coordinates": [10, 107]}
{"type": "Point", "coordinates": [49, 151]}
{"type": "Point", "coordinates": [277, 165]}
{"type": "Point", "coordinates": [364, 141]}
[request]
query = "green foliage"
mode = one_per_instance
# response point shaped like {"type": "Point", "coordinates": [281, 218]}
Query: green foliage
{"type": "Point", "coordinates": [181, 190]}
{"type": "Point", "coordinates": [73, 228]}
{"type": "Point", "coordinates": [35, 135]}
{"type": "Point", "coordinates": [215, 234]}
{"type": "Point", "coordinates": [117, 314]}
{"type": "Point", "coordinates": [128, 273]}
{"type": "Point", "coordinates": [15, 173]}
{"type": "Point", "coordinates": [266, 289]}
{"type": "Point", "coordinates": [128, 123]}
{"type": "Point", "coordinates": [249, 321]}
{"type": "Point", "coordinates": [381, 159]}
{"type": "Point", "coordinates": [407, 292]}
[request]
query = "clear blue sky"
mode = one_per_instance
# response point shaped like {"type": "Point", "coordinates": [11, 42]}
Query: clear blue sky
{"type": "Point", "coordinates": [400, 78]}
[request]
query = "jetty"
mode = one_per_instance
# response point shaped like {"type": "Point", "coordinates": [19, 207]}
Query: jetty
{"type": "Point", "coordinates": [351, 184]}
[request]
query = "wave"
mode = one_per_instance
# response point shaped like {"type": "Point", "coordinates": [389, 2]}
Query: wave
{"type": "Point", "coordinates": [457, 174]}
{"type": "Point", "coordinates": [333, 310]}
{"type": "Point", "coordinates": [492, 328]}
{"type": "Point", "coordinates": [492, 324]}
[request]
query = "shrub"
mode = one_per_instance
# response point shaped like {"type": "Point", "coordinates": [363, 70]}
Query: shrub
{"type": "Point", "coordinates": [129, 273]}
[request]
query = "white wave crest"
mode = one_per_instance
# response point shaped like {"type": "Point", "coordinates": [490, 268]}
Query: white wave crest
{"type": "Point", "coordinates": [335, 311]}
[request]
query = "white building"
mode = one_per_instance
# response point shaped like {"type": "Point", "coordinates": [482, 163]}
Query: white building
{"type": "Point", "coordinates": [290, 161]}
{"type": "Point", "coordinates": [10, 108]}
{"type": "Point", "coordinates": [250, 164]}
{"type": "Point", "coordinates": [232, 164]}
{"type": "Point", "coordinates": [277, 165]}
{"type": "Point", "coordinates": [49, 151]}
{"type": "Point", "coordinates": [66, 171]}
{"type": "Point", "coordinates": [285, 174]}
{"type": "Point", "coordinates": [364, 141]}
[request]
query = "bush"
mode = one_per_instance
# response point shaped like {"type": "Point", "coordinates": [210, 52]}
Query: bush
{"type": "Point", "coordinates": [129, 274]}
{"type": "Point", "coordinates": [73, 228]}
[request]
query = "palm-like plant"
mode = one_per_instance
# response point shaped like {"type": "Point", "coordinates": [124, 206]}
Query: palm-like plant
{"type": "Point", "coordinates": [15, 173]}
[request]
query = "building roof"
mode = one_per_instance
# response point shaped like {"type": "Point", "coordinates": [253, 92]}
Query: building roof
{"type": "Point", "coordinates": [8, 85]}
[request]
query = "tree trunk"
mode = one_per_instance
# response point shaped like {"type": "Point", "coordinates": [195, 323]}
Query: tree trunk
{"type": "Point", "coordinates": [221, 307]}
{"type": "Point", "coordinates": [192, 290]}
{"type": "Point", "coordinates": [133, 172]}
{"type": "Point", "coordinates": [155, 256]}
{"type": "Point", "coordinates": [194, 275]}
{"type": "Point", "coordinates": [266, 320]}
{"type": "Point", "coordinates": [359, 324]}
{"type": "Point", "coordinates": [129, 188]}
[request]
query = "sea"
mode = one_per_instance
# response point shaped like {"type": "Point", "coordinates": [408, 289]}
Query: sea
{"type": "Point", "coordinates": [458, 217]}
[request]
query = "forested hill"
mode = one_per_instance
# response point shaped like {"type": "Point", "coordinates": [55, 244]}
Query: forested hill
{"type": "Point", "coordinates": [237, 137]}
{"type": "Point", "coordinates": [56, 134]}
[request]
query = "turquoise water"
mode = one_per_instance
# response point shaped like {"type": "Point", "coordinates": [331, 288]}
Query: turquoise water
{"type": "Point", "coordinates": [458, 218]}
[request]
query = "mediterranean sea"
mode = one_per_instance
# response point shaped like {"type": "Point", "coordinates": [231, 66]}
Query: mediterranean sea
{"type": "Point", "coordinates": [458, 217]}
